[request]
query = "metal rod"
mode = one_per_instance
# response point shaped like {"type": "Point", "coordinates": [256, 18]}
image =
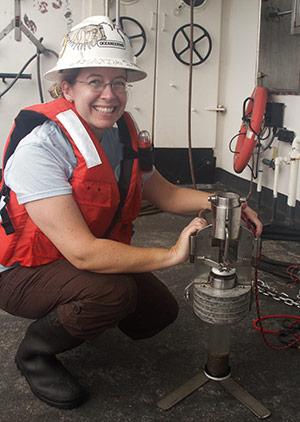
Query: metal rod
{"type": "Point", "coordinates": [106, 8]}
{"type": "Point", "coordinates": [278, 14]}
{"type": "Point", "coordinates": [4, 76]}
{"type": "Point", "coordinates": [118, 12]}
{"type": "Point", "coordinates": [17, 20]}
{"type": "Point", "coordinates": [32, 38]}
{"type": "Point", "coordinates": [226, 248]}
{"type": "Point", "coordinates": [7, 29]}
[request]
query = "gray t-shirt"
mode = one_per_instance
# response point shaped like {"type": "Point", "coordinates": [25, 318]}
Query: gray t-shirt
{"type": "Point", "coordinates": [43, 163]}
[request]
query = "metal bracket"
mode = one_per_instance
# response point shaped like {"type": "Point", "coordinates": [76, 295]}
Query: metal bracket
{"type": "Point", "coordinates": [22, 28]}
{"type": "Point", "coordinates": [17, 24]}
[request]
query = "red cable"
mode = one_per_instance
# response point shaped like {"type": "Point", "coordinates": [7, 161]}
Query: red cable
{"type": "Point", "coordinates": [259, 317]}
{"type": "Point", "coordinates": [274, 316]}
{"type": "Point", "coordinates": [290, 270]}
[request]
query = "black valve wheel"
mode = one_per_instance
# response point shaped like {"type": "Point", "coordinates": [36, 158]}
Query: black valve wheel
{"type": "Point", "coordinates": [127, 23]}
{"type": "Point", "coordinates": [196, 2]}
{"type": "Point", "coordinates": [181, 44]}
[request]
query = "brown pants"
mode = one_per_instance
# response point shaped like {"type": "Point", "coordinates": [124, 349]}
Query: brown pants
{"type": "Point", "coordinates": [88, 303]}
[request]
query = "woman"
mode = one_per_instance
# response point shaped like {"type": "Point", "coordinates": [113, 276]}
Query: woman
{"type": "Point", "coordinates": [65, 252]}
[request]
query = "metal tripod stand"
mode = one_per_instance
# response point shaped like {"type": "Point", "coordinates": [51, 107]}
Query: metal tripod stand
{"type": "Point", "coordinates": [216, 369]}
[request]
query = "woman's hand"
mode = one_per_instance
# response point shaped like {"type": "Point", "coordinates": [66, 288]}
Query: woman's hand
{"type": "Point", "coordinates": [251, 215]}
{"type": "Point", "coordinates": [181, 249]}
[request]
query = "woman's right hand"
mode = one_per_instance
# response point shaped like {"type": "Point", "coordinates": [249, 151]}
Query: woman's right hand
{"type": "Point", "coordinates": [181, 250]}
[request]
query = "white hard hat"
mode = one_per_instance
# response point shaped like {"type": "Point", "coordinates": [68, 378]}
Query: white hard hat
{"type": "Point", "coordinates": [96, 42]}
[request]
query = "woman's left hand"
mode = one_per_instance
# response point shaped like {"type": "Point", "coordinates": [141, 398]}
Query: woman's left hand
{"type": "Point", "coordinates": [253, 217]}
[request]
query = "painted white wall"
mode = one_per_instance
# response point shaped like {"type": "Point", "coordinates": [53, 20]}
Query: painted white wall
{"type": "Point", "coordinates": [239, 43]}
{"type": "Point", "coordinates": [239, 40]}
{"type": "Point", "coordinates": [237, 71]}
{"type": "Point", "coordinates": [50, 23]}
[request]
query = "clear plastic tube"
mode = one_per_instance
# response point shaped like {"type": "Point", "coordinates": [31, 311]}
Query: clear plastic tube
{"type": "Point", "coordinates": [218, 348]}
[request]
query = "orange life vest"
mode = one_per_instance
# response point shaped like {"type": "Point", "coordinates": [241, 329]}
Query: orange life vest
{"type": "Point", "coordinates": [107, 208]}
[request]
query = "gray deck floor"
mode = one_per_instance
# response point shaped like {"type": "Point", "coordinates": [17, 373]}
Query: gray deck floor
{"type": "Point", "coordinates": [126, 379]}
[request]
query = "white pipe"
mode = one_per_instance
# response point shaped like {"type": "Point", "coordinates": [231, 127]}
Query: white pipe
{"type": "Point", "coordinates": [259, 177]}
{"type": "Point", "coordinates": [293, 161]}
{"type": "Point", "coordinates": [296, 144]}
{"type": "Point", "coordinates": [294, 170]}
{"type": "Point", "coordinates": [106, 8]}
{"type": "Point", "coordinates": [293, 182]}
{"type": "Point", "coordinates": [277, 163]}
{"type": "Point", "coordinates": [118, 12]}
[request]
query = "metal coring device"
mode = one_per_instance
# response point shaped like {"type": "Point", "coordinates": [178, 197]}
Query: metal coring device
{"type": "Point", "coordinates": [223, 254]}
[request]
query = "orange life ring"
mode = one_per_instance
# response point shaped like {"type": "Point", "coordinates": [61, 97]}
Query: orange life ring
{"type": "Point", "coordinates": [248, 133]}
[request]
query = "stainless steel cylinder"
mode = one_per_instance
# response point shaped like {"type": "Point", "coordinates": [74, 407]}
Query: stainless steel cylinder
{"type": "Point", "coordinates": [226, 215]}
{"type": "Point", "coordinates": [222, 280]}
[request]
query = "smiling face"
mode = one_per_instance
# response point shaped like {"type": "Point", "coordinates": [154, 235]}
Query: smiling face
{"type": "Point", "coordinates": [100, 110]}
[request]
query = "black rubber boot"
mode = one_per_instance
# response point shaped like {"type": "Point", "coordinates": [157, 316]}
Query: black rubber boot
{"type": "Point", "coordinates": [47, 377]}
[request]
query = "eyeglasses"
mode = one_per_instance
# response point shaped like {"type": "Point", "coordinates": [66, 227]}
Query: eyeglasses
{"type": "Point", "coordinates": [96, 85]}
